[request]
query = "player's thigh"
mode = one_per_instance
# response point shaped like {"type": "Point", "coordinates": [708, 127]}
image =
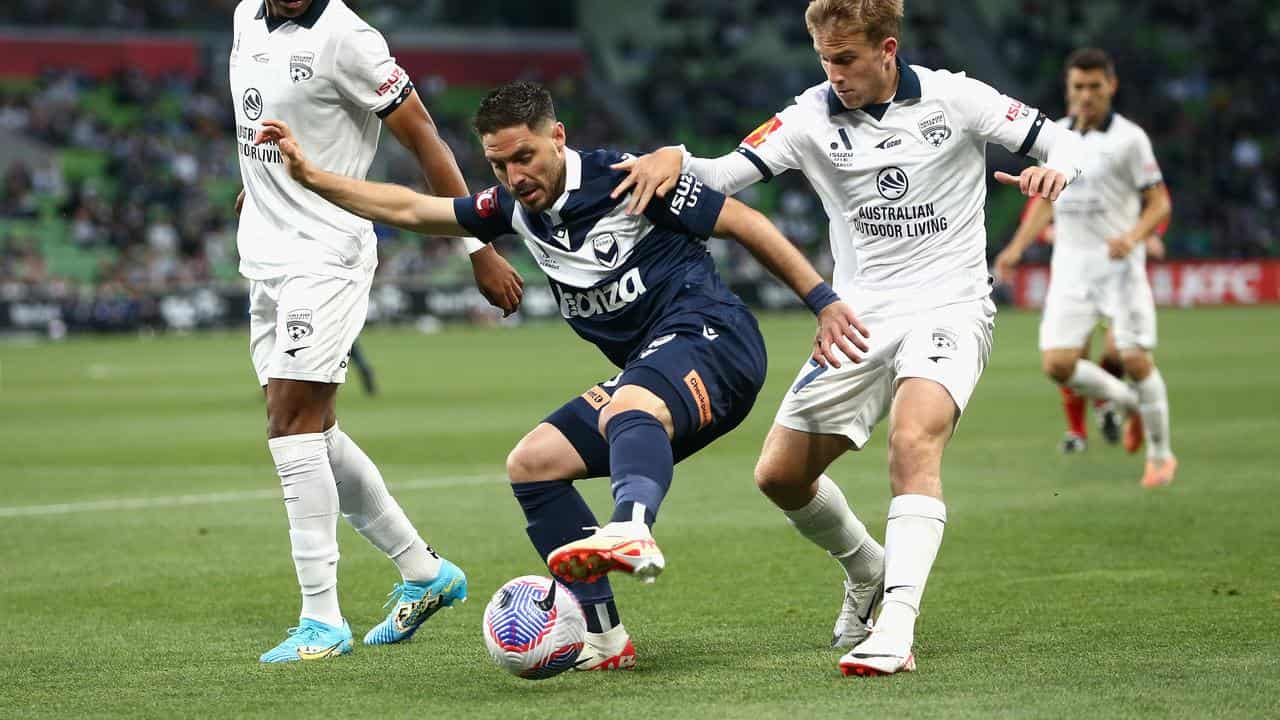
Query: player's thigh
{"type": "Point", "coordinates": [950, 347]}
{"type": "Point", "coordinates": [848, 401]}
{"type": "Point", "coordinates": [545, 453]}
{"type": "Point", "coordinates": [1067, 321]}
{"type": "Point", "coordinates": [707, 369]}
{"type": "Point", "coordinates": [263, 296]}
{"type": "Point", "coordinates": [317, 320]}
{"type": "Point", "coordinates": [792, 458]}
{"type": "Point", "coordinates": [1132, 312]}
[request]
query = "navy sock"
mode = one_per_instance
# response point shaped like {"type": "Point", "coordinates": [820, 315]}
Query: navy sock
{"type": "Point", "coordinates": [640, 462]}
{"type": "Point", "coordinates": [556, 514]}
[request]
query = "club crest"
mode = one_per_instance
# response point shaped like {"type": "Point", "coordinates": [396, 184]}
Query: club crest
{"type": "Point", "coordinates": [606, 249]}
{"type": "Point", "coordinates": [935, 129]}
{"type": "Point", "coordinates": [300, 66]}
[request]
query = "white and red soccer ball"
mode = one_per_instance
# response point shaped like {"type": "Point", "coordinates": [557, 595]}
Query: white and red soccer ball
{"type": "Point", "coordinates": [534, 627]}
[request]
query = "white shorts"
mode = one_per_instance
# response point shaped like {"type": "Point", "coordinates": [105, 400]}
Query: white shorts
{"type": "Point", "coordinates": [302, 327]}
{"type": "Point", "coordinates": [948, 345]}
{"type": "Point", "coordinates": [1072, 309]}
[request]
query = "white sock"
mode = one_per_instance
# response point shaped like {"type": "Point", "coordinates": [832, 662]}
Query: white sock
{"type": "Point", "coordinates": [1153, 403]}
{"type": "Point", "coordinates": [369, 507]}
{"type": "Point", "coordinates": [311, 501]}
{"type": "Point", "coordinates": [1093, 382]}
{"type": "Point", "coordinates": [828, 522]}
{"type": "Point", "coordinates": [911, 540]}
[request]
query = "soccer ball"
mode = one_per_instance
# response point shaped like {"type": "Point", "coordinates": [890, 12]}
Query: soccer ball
{"type": "Point", "coordinates": [534, 627]}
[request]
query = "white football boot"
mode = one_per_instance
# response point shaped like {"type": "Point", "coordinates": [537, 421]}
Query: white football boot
{"type": "Point", "coordinates": [609, 650]}
{"type": "Point", "coordinates": [887, 650]}
{"type": "Point", "coordinates": [625, 546]}
{"type": "Point", "coordinates": [853, 624]}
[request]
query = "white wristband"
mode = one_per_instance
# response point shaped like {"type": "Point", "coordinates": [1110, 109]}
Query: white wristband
{"type": "Point", "coordinates": [686, 158]}
{"type": "Point", "coordinates": [473, 245]}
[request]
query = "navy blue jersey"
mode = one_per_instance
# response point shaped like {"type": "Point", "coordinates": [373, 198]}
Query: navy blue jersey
{"type": "Point", "coordinates": [615, 276]}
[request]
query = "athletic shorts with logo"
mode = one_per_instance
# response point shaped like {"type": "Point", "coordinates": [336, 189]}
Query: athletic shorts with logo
{"type": "Point", "coordinates": [301, 327]}
{"type": "Point", "coordinates": [706, 364]}
{"type": "Point", "coordinates": [948, 345]}
{"type": "Point", "coordinates": [1074, 305]}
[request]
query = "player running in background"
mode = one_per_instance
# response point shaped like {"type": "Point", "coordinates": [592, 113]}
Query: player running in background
{"type": "Point", "coordinates": [310, 265]}
{"type": "Point", "coordinates": [896, 153]}
{"type": "Point", "coordinates": [1073, 405]}
{"type": "Point", "coordinates": [642, 289]}
{"type": "Point", "coordinates": [1099, 263]}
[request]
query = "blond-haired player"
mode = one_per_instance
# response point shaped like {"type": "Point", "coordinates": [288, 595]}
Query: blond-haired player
{"type": "Point", "coordinates": [896, 152]}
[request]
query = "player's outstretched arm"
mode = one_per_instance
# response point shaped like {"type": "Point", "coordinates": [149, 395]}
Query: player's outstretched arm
{"type": "Point", "coordinates": [658, 172]}
{"type": "Point", "coordinates": [1035, 222]}
{"type": "Point", "coordinates": [380, 202]}
{"type": "Point", "coordinates": [837, 324]}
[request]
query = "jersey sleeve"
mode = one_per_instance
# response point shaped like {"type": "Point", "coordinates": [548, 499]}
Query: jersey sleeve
{"type": "Point", "coordinates": [691, 207]}
{"type": "Point", "coordinates": [997, 118]}
{"type": "Point", "coordinates": [487, 214]}
{"type": "Point", "coordinates": [775, 146]}
{"type": "Point", "coordinates": [367, 75]}
{"type": "Point", "coordinates": [1141, 163]}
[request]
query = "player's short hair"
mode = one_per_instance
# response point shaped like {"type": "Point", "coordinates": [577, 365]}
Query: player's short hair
{"type": "Point", "coordinates": [877, 19]}
{"type": "Point", "coordinates": [1091, 59]}
{"type": "Point", "coordinates": [514, 104]}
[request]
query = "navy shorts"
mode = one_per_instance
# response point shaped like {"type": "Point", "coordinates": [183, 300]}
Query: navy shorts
{"type": "Point", "coordinates": [707, 365]}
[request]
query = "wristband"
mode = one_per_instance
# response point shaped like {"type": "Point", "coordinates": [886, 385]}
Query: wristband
{"type": "Point", "coordinates": [820, 297]}
{"type": "Point", "coordinates": [473, 245]}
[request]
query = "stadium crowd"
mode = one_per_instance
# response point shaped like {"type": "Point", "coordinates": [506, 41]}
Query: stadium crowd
{"type": "Point", "coordinates": [136, 196]}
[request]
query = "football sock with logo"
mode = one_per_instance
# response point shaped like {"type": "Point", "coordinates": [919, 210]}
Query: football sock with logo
{"type": "Point", "coordinates": [641, 465]}
{"type": "Point", "coordinates": [1153, 401]}
{"type": "Point", "coordinates": [911, 541]}
{"type": "Point", "coordinates": [556, 514]}
{"type": "Point", "coordinates": [369, 507]}
{"type": "Point", "coordinates": [828, 522]}
{"type": "Point", "coordinates": [1094, 382]}
{"type": "Point", "coordinates": [1073, 407]}
{"type": "Point", "coordinates": [311, 501]}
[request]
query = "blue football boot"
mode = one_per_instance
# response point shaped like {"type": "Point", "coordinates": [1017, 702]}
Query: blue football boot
{"type": "Point", "coordinates": [416, 602]}
{"type": "Point", "coordinates": [311, 640]}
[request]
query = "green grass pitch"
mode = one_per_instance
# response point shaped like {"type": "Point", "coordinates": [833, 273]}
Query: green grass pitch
{"type": "Point", "coordinates": [144, 562]}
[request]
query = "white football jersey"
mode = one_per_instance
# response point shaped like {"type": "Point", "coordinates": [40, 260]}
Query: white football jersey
{"type": "Point", "coordinates": [330, 76]}
{"type": "Point", "coordinates": [1107, 200]}
{"type": "Point", "coordinates": [903, 183]}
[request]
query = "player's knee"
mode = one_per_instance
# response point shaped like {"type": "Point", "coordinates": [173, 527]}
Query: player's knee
{"type": "Point", "coordinates": [917, 441]}
{"type": "Point", "coordinates": [1058, 369]}
{"type": "Point", "coordinates": [776, 479]}
{"type": "Point", "coordinates": [1137, 364]}
{"type": "Point", "coordinates": [525, 464]}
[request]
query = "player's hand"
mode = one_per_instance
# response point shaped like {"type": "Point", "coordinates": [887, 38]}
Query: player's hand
{"type": "Point", "coordinates": [499, 283]}
{"type": "Point", "coordinates": [648, 175]}
{"type": "Point", "coordinates": [1036, 181]}
{"type": "Point", "coordinates": [1155, 247]}
{"type": "Point", "coordinates": [838, 327]}
{"type": "Point", "coordinates": [1006, 261]}
{"type": "Point", "coordinates": [240, 201]}
{"type": "Point", "coordinates": [1118, 248]}
{"type": "Point", "coordinates": [295, 162]}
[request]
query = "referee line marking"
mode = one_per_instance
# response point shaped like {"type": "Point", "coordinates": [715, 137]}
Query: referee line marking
{"type": "Point", "coordinates": [221, 498]}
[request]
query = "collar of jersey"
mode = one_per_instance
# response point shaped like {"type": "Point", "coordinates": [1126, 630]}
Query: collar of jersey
{"type": "Point", "coordinates": [1105, 126]}
{"type": "Point", "coordinates": [307, 19]}
{"type": "Point", "coordinates": [572, 181]}
{"type": "Point", "coordinates": [908, 89]}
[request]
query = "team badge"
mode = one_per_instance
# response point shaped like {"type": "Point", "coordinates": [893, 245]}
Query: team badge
{"type": "Point", "coordinates": [300, 66]}
{"type": "Point", "coordinates": [892, 183]}
{"type": "Point", "coordinates": [252, 103]}
{"type": "Point", "coordinates": [298, 324]}
{"type": "Point", "coordinates": [944, 340]}
{"type": "Point", "coordinates": [935, 129]}
{"type": "Point", "coordinates": [762, 133]}
{"type": "Point", "coordinates": [606, 248]}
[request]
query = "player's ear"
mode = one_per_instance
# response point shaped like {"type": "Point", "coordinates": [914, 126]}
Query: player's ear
{"type": "Point", "coordinates": [558, 135]}
{"type": "Point", "coordinates": [889, 46]}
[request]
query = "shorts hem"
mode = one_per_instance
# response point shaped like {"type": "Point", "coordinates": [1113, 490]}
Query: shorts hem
{"type": "Point", "coordinates": [306, 377]}
{"type": "Point", "coordinates": [857, 437]}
